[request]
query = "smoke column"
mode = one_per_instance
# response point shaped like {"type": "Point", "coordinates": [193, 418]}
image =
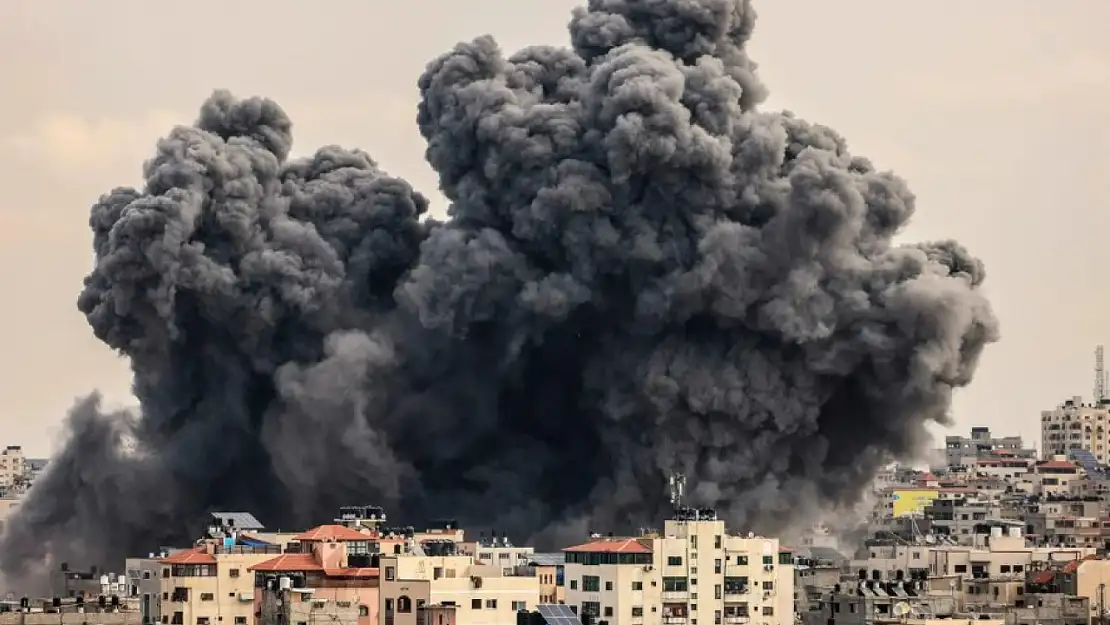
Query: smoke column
{"type": "Point", "coordinates": [640, 272]}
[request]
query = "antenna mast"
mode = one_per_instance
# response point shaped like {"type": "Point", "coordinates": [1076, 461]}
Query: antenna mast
{"type": "Point", "coordinates": [1100, 377]}
{"type": "Point", "coordinates": [678, 489]}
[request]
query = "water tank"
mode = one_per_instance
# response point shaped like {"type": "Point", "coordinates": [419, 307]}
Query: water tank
{"type": "Point", "coordinates": [284, 583]}
{"type": "Point", "coordinates": [996, 532]}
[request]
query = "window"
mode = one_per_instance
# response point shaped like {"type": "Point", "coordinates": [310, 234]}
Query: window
{"type": "Point", "coordinates": [768, 560]}
{"type": "Point", "coordinates": [608, 585]}
{"type": "Point", "coordinates": [202, 620]}
{"type": "Point", "coordinates": [675, 584]}
{"type": "Point", "coordinates": [206, 596]}
{"type": "Point", "coordinates": [716, 617]}
{"type": "Point", "coordinates": [593, 608]}
{"type": "Point", "coordinates": [608, 611]}
{"type": "Point", "coordinates": [716, 542]}
{"type": "Point", "coordinates": [390, 573]}
{"type": "Point", "coordinates": [520, 606]}
{"type": "Point", "coordinates": [389, 606]}
{"type": "Point", "coordinates": [693, 581]}
{"type": "Point", "coordinates": [574, 584]}
{"type": "Point", "coordinates": [491, 604]}
{"type": "Point", "coordinates": [240, 620]}
{"type": "Point", "coordinates": [785, 557]}
{"type": "Point", "coordinates": [591, 583]}
{"type": "Point", "coordinates": [178, 618]}
{"type": "Point", "coordinates": [960, 568]}
{"type": "Point", "coordinates": [233, 573]}
{"type": "Point", "coordinates": [475, 604]}
{"type": "Point", "coordinates": [637, 585]}
{"type": "Point", "coordinates": [146, 574]}
{"type": "Point", "coordinates": [363, 610]}
{"type": "Point", "coordinates": [437, 572]}
{"type": "Point", "coordinates": [717, 591]}
{"type": "Point", "coordinates": [637, 611]}
{"type": "Point", "coordinates": [404, 604]}
{"type": "Point", "coordinates": [674, 561]}
{"type": "Point", "coordinates": [742, 560]}
{"type": "Point", "coordinates": [769, 611]}
{"type": "Point", "coordinates": [1005, 568]}
{"type": "Point", "coordinates": [768, 585]}
{"type": "Point", "coordinates": [693, 542]}
{"type": "Point", "coordinates": [717, 566]}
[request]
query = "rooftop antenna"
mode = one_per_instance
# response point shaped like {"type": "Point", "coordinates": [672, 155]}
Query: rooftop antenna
{"type": "Point", "coordinates": [1100, 377]}
{"type": "Point", "coordinates": [678, 489]}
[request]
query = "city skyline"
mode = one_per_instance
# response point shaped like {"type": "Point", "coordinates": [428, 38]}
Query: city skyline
{"type": "Point", "coordinates": [956, 103]}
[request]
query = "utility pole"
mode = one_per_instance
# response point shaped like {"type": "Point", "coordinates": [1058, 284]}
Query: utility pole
{"type": "Point", "coordinates": [1101, 604]}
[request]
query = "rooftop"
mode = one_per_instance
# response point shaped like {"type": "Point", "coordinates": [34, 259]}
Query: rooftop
{"type": "Point", "coordinates": [196, 555]}
{"type": "Point", "coordinates": [611, 545]}
{"type": "Point", "coordinates": [332, 532]}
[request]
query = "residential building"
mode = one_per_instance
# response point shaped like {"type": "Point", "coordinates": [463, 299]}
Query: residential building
{"type": "Point", "coordinates": [145, 586]}
{"type": "Point", "coordinates": [695, 570]}
{"type": "Point", "coordinates": [550, 573]}
{"type": "Point", "coordinates": [982, 444]}
{"type": "Point", "coordinates": [1075, 425]}
{"type": "Point", "coordinates": [13, 466]}
{"type": "Point", "coordinates": [326, 575]}
{"type": "Point", "coordinates": [497, 551]}
{"type": "Point", "coordinates": [1055, 477]}
{"type": "Point", "coordinates": [210, 584]}
{"type": "Point", "coordinates": [430, 582]}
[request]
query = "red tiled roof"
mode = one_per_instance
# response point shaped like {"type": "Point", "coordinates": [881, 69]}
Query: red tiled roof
{"type": "Point", "coordinates": [289, 562]}
{"type": "Point", "coordinates": [785, 550]}
{"type": "Point", "coordinates": [611, 545]}
{"type": "Point", "coordinates": [196, 555]}
{"type": "Point", "coordinates": [332, 532]}
{"type": "Point", "coordinates": [1056, 464]}
{"type": "Point", "coordinates": [1073, 566]}
{"type": "Point", "coordinates": [362, 573]}
{"type": "Point", "coordinates": [1044, 577]}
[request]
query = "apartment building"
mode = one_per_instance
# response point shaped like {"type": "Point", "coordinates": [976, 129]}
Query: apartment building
{"type": "Point", "coordinates": [211, 583]}
{"type": "Point", "coordinates": [431, 583]}
{"type": "Point", "coordinates": [13, 466]}
{"type": "Point", "coordinates": [1055, 477]}
{"type": "Point", "coordinates": [325, 575]}
{"type": "Point", "coordinates": [694, 571]}
{"type": "Point", "coordinates": [550, 573]}
{"type": "Point", "coordinates": [145, 586]}
{"type": "Point", "coordinates": [1076, 425]}
{"type": "Point", "coordinates": [497, 551]}
{"type": "Point", "coordinates": [982, 444]}
{"type": "Point", "coordinates": [958, 517]}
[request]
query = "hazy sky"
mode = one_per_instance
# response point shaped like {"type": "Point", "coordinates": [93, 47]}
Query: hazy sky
{"type": "Point", "coordinates": [994, 110]}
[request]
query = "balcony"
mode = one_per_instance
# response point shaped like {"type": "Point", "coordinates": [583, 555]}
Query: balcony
{"type": "Point", "coordinates": [737, 620]}
{"type": "Point", "coordinates": [675, 620]}
{"type": "Point", "coordinates": [676, 595]}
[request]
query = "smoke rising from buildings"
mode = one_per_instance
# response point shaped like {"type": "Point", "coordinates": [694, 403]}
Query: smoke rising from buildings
{"type": "Point", "coordinates": [640, 273]}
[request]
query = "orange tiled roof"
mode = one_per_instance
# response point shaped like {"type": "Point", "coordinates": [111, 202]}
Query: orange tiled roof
{"type": "Point", "coordinates": [785, 550]}
{"type": "Point", "coordinates": [611, 545]}
{"type": "Point", "coordinates": [1073, 566]}
{"type": "Point", "coordinates": [196, 555]}
{"type": "Point", "coordinates": [289, 562]}
{"type": "Point", "coordinates": [1056, 464]}
{"type": "Point", "coordinates": [332, 532]}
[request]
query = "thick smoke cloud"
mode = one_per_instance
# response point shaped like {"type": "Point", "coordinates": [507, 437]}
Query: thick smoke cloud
{"type": "Point", "coordinates": [640, 273]}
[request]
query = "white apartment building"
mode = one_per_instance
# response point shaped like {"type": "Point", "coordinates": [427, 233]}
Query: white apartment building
{"type": "Point", "coordinates": [694, 573]}
{"type": "Point", "coordinates": [1076, 425]}
{"type": "Point", "coordinates": [13, 465]}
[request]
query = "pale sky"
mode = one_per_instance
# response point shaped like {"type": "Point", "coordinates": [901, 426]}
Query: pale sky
{"type": "Point", "coordinates": [995, 111]}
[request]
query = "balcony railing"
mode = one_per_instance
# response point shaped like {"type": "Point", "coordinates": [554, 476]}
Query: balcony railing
{"type": "Point", "coordinates": [676, 595]}
{"type": "Point", "coordinates": [737, 620]}
{"type": "Point", "coordinates": [675, 620]}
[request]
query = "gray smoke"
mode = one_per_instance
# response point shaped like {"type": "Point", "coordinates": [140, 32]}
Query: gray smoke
{"type": "Point", "coordinates": [640, 273]}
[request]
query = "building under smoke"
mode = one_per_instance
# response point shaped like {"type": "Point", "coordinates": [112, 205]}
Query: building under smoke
{"type": "Point", "coordinates": [640, 273]}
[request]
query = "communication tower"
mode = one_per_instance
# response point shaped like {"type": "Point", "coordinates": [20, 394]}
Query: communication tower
{"type": "Point", "coordinates": [1100, 377]}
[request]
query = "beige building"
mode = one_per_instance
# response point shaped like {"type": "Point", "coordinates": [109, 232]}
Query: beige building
{"type": "Point", "coordinates": [13, 466]}
{"type": "Point", "coordinates": [433, 582]}
{"type": "Point", "coordinates": [211, 584]}
{"type": "Point", "coordinates": [550, 573]}
{"type": "Point", "coordinates": [1076, 425]}
{"type": "Point", "coordinates": [693, 572]}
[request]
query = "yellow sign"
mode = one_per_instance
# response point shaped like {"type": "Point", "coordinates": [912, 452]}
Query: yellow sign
{"type": "Point", "coordinates": [912, 501]}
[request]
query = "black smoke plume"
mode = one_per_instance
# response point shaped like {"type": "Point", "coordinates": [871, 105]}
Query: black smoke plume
{"type": "Point", "coordinates": [640, 273]}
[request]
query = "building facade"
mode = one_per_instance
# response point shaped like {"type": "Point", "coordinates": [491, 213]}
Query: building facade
{"type": "Point", "coordinates": [982, 444]}
{"type": "Point", "coordinates": [694, 572]}
{"type": "Point", "coordinates": [1074, 425]}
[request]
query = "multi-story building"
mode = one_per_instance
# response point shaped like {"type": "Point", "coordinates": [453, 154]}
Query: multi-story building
{"type": "Point", "coordinates": [1055, 477]}
{"type": "Point", "coordinates": [13, 466]}
{"type": "Point", "coordinates": [550, 573]}
{"type": "Point", "coordinates": [431, 583]}
{"type": "Point", "coordinates": [1074, 425]}
{"type": "Point", "coordinates": [210, 584]}
{"type": "Point", "coordinates": [958, 517]}
{"type": "Point", "coordinates": [694, 571]}
{"type": "Point", "coordinates": [326, 575]}
{"type": "Point", "coordinates": [497, 551]}
{"type": "Point", "coordinates": [981, 444]}
{"type": "Point", "coordinates": [145, 581]}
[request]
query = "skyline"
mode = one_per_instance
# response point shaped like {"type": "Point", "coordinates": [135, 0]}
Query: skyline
{"type": "Point", "coordinates": [906, 116]}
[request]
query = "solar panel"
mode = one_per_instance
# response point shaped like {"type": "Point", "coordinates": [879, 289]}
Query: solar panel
{"type": "Point", "coordinates": [242, 520]}
{"type": "Point", "coordinates": [558, 614]}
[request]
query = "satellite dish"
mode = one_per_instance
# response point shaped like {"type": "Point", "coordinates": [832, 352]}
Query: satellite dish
{"type": "Point", "coordinates": [901, 608]}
